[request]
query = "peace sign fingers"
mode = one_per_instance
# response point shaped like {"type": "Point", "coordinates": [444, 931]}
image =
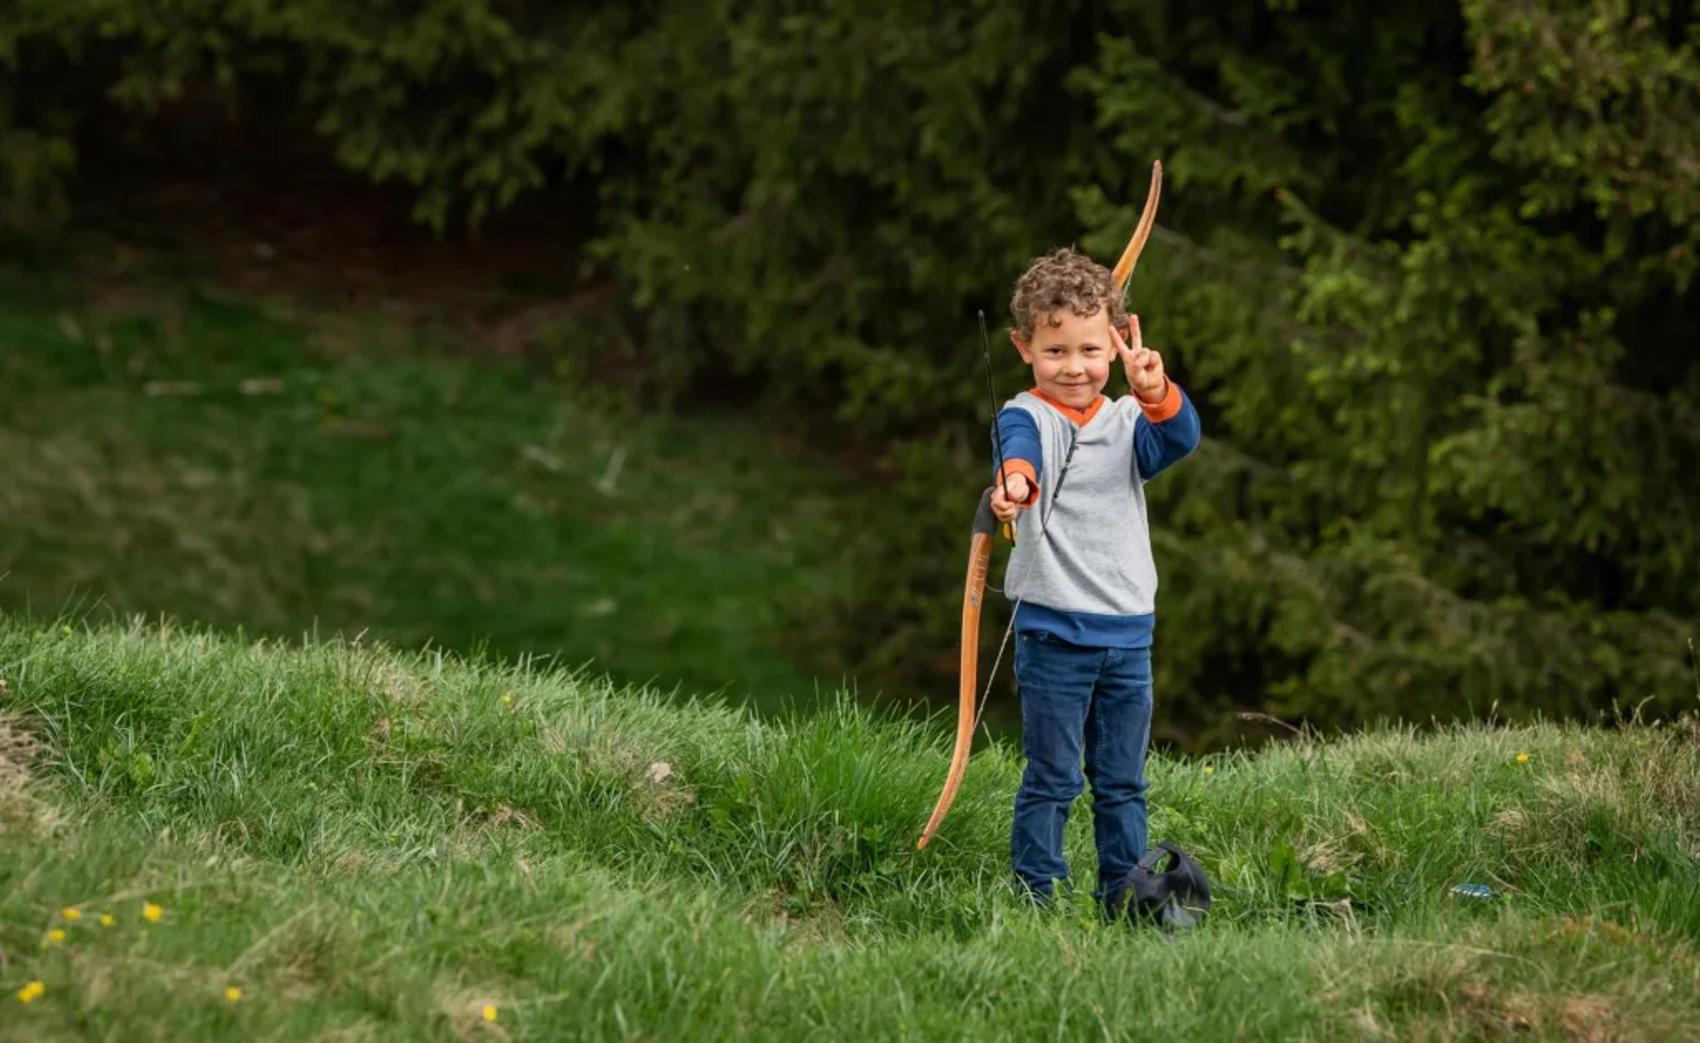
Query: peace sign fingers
{"type": "Point", "coordinates": [1131, 349]}
{"type": "Point", "coordinates": [1143, 365]}
{"type": "Point", "coordinates": [1121, 344]}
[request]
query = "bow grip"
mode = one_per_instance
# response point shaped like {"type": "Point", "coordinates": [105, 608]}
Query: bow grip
{"type": "Point", "coordinates": [985, 522]}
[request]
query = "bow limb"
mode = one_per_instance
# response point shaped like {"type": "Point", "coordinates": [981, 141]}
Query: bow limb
{"type": "Point", "coordinates": [973, 593]}
{"type": "Point", "coordinates": [1136, 245]}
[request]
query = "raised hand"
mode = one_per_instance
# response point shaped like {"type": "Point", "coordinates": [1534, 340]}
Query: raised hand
{"type": "Point", "coordinates": [1143, 365]}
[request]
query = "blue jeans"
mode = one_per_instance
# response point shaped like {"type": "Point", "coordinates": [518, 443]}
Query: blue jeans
{"type": "Point", "coordinates": [1075, 701]}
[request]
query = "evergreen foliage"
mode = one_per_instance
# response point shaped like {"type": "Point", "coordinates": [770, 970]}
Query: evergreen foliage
{"type": "Point", "coordinates": [1427, 270]}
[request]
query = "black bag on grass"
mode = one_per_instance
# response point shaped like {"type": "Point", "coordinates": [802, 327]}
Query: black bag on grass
{"type": "Point", "coordinates": [1177, 897]}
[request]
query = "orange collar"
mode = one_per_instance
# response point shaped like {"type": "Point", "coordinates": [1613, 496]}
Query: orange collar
{"type": "Point", "coordinates": [1081, 417]}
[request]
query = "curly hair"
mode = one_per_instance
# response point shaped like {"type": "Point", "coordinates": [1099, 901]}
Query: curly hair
{"type": "Point", "coordinates": [1063, 278]}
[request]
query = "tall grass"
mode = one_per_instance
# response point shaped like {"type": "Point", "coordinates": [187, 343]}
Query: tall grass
{"type": "Point", "coordinates": [374, 844]}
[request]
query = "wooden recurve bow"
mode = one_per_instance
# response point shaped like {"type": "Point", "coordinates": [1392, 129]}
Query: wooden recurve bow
{"type": "Point", "coordinates": [973, 593]}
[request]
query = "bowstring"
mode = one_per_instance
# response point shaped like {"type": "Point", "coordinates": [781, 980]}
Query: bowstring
{"type": "Point", "coordinates": [985, 695]}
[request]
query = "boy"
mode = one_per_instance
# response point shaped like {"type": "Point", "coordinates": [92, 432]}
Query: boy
{"type": "Point", "coordinates": [1083, 577]}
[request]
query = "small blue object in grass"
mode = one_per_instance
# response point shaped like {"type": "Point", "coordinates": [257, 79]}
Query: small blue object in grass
{"type": "Point", "coordinates": [1473, 890]}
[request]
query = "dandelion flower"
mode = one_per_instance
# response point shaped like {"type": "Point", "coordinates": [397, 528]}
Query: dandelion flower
{"type": "Point", "coordinates": [489, 1012]}
{"type": "Point", "coordinates": [151, 913]}
{"type": "Point", "coordinates": [1210, 769]}
{"type": "Point", "coordinates": [71, 912]}
{"type": "Point", "coordinates": [106, 920]}
{"type": "Point", "coordinates": [232, 993]}
{"type": "Point", "coordinates": [1522, 758]}
{"type": "Point", "coordinates": [56, 935]}
{"type": "Point", "coordinates": [29, 993]}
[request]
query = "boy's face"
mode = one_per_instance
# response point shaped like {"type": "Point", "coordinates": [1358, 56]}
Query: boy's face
{"type": "Point", "coordinates": [1070, 355]}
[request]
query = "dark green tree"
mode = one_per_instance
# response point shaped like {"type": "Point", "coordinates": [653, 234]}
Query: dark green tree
{"type": "Point", "coordinates": [1426, 268]}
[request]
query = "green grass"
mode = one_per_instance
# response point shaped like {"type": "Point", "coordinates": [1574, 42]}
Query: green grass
{"type": "Point", "coordinates": [374, 845]}
{"type": "Point", "coordinates": [164, 449]}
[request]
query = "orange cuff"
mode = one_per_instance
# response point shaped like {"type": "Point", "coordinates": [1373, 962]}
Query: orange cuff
{"type": "Point", "coordinates": [1022, 467]}
{"type": "Point", "coordinates": [1168, 408]}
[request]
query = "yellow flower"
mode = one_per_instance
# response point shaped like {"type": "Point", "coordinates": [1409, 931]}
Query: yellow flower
{"type": "Point", "coordinates": [56, 935]}
{"type": "Point", "coordinates": [1210, 769]}
{"type": "Point", "coordinates": [507, 698]}
{"type": "Point", "coordinates": [71, 912]}
{"type": "Point", "coordinates": [30, 992]}
{"type": "Point", "coordinates": [232, 993]}
{"type": "Point", "coordinates": [1522, 758]}
{"type": "Point", "coordinates": [151, 913]}
{"type": "Point", "coordinates": [106, 920]}
{"type": "Point", "coordinates": [489, 1012]}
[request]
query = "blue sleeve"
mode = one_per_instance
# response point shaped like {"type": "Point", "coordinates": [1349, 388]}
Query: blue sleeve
{"type": "Point", "coordinates": [1156, 446]}
{"type": "Point", "coordinates": [1020, 441]}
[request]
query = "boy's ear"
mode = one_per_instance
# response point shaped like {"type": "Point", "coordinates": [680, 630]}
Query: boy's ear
{"type": "Point", "coordinates": [1020, 343]}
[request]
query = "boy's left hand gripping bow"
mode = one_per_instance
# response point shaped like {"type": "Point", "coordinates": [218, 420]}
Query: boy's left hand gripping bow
{"type": "Point", "coordinates": [980, 553]}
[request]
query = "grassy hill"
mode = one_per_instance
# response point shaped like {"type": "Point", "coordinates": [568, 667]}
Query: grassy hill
{"type": "Point", "coordinates": [286, 467]}
{"type": "Point", "coordinates": [380, 845]}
